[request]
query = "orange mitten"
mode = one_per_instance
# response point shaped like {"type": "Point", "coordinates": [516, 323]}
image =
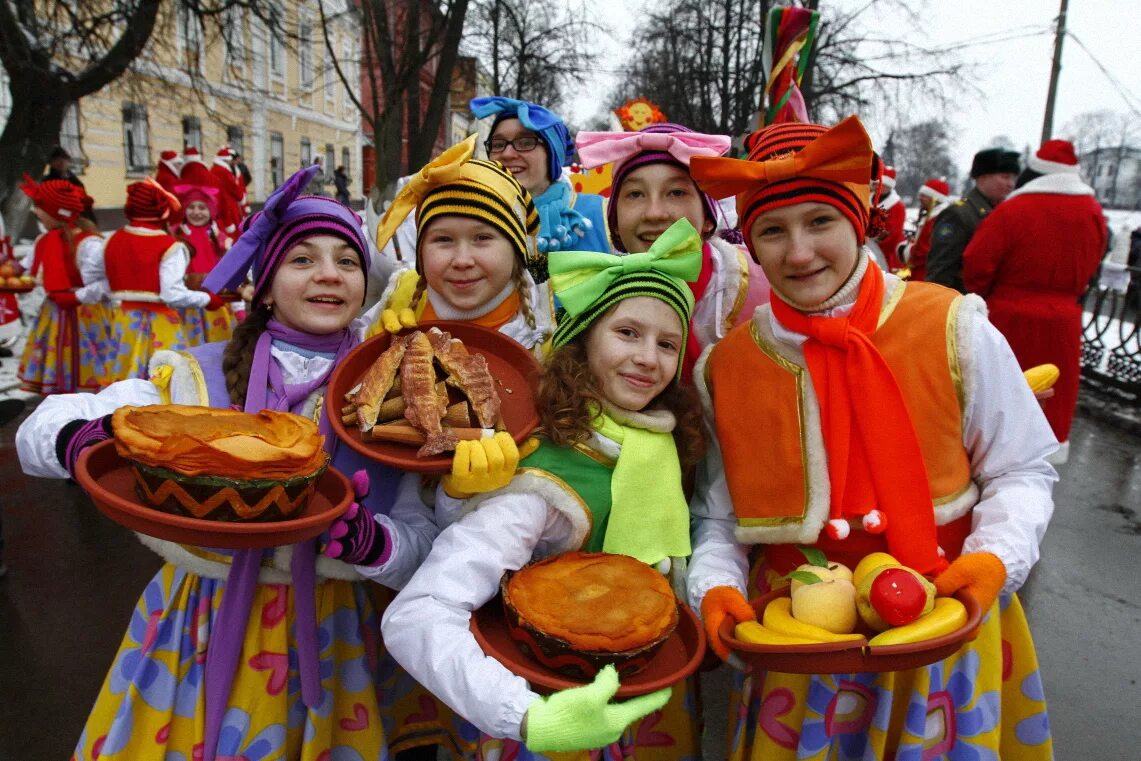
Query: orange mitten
{"type": "Point", "coordinates": [719, 603]}
{"type": "Point", "coordinates": [981, 574]}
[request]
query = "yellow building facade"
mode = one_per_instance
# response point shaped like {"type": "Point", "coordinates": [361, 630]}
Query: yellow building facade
{"type": "Point", "coordinates": [273, 96]}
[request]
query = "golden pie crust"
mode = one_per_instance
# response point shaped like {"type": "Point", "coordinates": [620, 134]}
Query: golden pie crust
{"type": "Point", "coordinates": [594, 601]}
{"type": "Point", "coordinates": [204, 441]}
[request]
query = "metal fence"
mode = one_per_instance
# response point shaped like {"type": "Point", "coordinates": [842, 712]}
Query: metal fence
{"type": "Point", "coordinates": [1111, 337]}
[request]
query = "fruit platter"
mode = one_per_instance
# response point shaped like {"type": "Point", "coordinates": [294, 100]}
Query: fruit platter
{"type": "Point", "coordinates": [880, 616]}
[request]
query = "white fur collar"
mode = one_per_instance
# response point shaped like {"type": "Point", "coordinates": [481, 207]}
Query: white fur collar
{"type": "Point", "coordinates": [1055, 184]}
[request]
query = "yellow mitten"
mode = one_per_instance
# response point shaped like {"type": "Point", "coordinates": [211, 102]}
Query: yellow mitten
{"type": "Point", "coordinates": [718, 604]}
{"type": "Point", "coordinates": [981, 574]}
{"type": "Point", "coordinates": [484, 465]}
{"type": "Point", "coordinates": [400, 313]}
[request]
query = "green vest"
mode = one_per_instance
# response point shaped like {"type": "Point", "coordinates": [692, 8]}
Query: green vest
{"type": "Point", "coordinates": [583, 473]}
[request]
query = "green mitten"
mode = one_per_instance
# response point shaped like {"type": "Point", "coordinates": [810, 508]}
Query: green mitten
{"type": "Point", "coordinates": [583, 718]}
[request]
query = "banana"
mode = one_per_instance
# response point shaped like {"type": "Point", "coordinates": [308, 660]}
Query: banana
{"type": "Point", "coordinates": [869, 563]}
{"type": "Point", "coordinates": [778, 617]}
{"type": "Point", "coordinates": [758, 634]}
{"type": "Point", "coordinates": [947, 616]}
{"type": "Point", "coordinates": [1042, 377]}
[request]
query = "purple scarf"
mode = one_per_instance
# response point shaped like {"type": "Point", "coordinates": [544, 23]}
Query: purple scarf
{"type": "Point", "coordinates": [268, 390]}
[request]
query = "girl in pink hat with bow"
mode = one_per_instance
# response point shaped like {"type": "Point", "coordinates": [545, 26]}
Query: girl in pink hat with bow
{"type": "Point", "coordinates": [207, 243]}
{"type": "Point", "coordinates": [652, 189]}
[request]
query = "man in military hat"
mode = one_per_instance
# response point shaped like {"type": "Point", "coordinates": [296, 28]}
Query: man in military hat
{"type": "Point", "coordinates": [994, 171]}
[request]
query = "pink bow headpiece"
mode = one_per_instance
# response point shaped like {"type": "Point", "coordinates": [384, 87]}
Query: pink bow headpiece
{"type": "Point", "coordinates": [598, 148]}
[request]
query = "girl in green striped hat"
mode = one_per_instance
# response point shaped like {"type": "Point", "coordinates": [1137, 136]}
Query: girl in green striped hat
{"type": "Point", "coordinates": [617, 429]}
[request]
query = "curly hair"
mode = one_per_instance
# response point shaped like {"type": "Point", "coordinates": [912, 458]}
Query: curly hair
{"type": "Point", "coordinates": [568, 391]}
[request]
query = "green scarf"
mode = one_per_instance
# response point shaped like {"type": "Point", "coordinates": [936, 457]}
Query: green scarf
{"type": "Point", "coordinates": [649, 517]}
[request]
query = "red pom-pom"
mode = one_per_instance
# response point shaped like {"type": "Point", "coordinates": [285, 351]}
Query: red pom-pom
{"type": "Point", "coordinates": [875, 522]}
{"type": "Point", "coordinates": [837, 529]}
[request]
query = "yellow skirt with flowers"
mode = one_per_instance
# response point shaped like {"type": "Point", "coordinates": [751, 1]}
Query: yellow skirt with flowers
{"type": "Point", "coordinates": [151, 705]}
{"type": "Point", "coordinates": [208, 325]}
{"type": "Point", "coordinates": [984, 703]}
{"type": "Point", "coordinates": [137, 332]}
{"type": "Point", "coordinates": [66, 350]}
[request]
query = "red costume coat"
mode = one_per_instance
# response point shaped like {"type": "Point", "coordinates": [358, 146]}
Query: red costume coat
{"type": "Point", "coordinates": [1031, 259]}
{"type": "Point", "coordinates": [889, 244]}
{"type": "Point", "coordinates": [230, 197]}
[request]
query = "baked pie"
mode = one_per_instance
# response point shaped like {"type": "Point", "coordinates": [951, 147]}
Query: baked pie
{"type": "Point", "coordinates": [578, 611]}
{"type": "Point", "coordinates": [219, 464]}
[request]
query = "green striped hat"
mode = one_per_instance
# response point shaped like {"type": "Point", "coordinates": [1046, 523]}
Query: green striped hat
{"type": "Point", "coordinates": [589, 283]}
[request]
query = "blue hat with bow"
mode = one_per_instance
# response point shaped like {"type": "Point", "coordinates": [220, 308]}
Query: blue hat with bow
{"type": "Point", "coordinates": [534, 117]}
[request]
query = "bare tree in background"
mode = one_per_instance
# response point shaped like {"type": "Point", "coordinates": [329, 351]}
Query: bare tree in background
{"type": "Point", "coordinates": [1100, 138]}
{"type": "Point", "coordinates": [535, 50]}
{"type": "Point", "coordinates": [701, 62]}
{"type": "Point", "coordinates": [920, 152]}
{"type": "Point", "coordinates": [400, 39]}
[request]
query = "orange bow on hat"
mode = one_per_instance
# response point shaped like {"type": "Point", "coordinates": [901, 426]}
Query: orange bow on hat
{"type": "Point", "coordinates": [842, 155]}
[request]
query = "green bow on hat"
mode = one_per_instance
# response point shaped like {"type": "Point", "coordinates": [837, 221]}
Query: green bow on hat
{"type": "Point", "coordinates": [580, 278]}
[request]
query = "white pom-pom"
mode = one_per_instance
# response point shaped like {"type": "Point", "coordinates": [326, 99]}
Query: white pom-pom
{"type": "Point", "coordinates": [942, 552]}
{"type": "Point", "coordinates": [837, 528]}
{"type": "Point", "coordinates": [875, 522]}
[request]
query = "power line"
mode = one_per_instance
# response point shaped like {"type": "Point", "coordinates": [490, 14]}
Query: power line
{"type": "Point", "coordinates": [1122, 90]}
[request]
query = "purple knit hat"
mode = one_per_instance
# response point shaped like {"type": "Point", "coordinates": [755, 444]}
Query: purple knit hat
{"type": "Point", "coordinates": [621, 171]}
{"type": "Point", "coordinates": [286, 219]}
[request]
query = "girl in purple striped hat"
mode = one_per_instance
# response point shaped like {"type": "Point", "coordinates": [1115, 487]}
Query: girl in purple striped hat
{"type": "Point", "coordinates": [651, 189]}
{"type": "Point", "coordinates": [310, 674]}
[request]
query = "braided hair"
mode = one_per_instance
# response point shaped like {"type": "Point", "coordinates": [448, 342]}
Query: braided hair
{"type": "Point", "coordinates": [238, 356]}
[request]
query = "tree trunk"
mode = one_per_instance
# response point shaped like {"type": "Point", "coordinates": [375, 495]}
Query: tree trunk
{"type": "Point", "coordinates": [389, 141]}
{"type": "Point", "coordinates": [38, 104]}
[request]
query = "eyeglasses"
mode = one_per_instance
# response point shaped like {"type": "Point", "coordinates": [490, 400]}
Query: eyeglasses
{"type": "Point", "coordinates": [524, 144]}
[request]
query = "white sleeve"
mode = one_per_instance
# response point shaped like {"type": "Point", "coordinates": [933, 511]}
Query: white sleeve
{"type": "Point", "coordinates": [426, 626]}
{"type": "Point", "coordinates": [172, 280]}
{"type": "Point", "coordinates": [90, 258]}
{"type": "Point", "coordinates": [449, 509]}
{"type": "Point", "coordinates": [1008, 440]}
{"type": "Point", "coordinates": [718, 559]}
{"type": "Point", "coordinates": [409, 529]}
{"type": "Point", "coordinates": [35, 439]}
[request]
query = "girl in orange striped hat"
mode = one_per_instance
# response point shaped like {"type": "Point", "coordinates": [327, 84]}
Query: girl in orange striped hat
{"type": "Point", "coordinates": [886, 417]}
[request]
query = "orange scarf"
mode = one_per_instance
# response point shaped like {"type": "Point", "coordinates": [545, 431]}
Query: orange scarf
{"type": "Point", "coordinates": [874, 459]}
{"type": "Point", "coordinates": [495, 319]}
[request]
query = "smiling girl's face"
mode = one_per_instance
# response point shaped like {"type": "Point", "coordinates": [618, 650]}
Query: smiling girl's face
{"type": "Point", "coordinates": [466, 261]}
{"type": "Point", "coordinates": [633, 350]}
{"type": "Point", "coordinates": [319, 286]}
{"type": "Point", "coordinates": [197, 213]}
{"type": "Point", "coordinates": [808, 250]}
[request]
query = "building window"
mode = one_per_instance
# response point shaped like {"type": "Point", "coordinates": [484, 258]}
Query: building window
{"type": "Point", "coordinates": [345, 156]}
{"type": "Point", "coordinates": [276, 159]}
{"type": "Point", "coordinates": [305, 53]}
{"type": "Point", "coordinates": [330, 158]}
{"type": "Point", "coordinates": [191, 132]}
{"type": "Point", "coordinates": [276, 43]}
{"type": "Point", "coordinates": [306, 152]}
{"type": "Point", "coordinates": [189, 32]}
{"type": "Point", "coordinates": [136, 147]}
{"type": "Point", "coordinates": [234, 34]}
{"type": "Point", "coordinates": [69, 135]}
{"type": "Point", "coordinates": [236, 139]}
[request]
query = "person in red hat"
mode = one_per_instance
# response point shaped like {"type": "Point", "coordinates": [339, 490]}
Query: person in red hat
{"type": "Point", "coordinates": [66, 347]}
{"type": "Point", "coordinates": [888, 242]}
{"type": "Point", "coordinates": [169, 166]}
{"type": "Point", "coordinates": [231, 197]}
{"type": "Point", "coordinates": [146, 270]}
{"type": "Point", "coordinates": [1032, 259]}
{"type": "Point", "coordinates": [207, 243]}
{"type": "Point", "coordinates": [934, 198]}
{"type": "Point", "coordinates": [858, 413]}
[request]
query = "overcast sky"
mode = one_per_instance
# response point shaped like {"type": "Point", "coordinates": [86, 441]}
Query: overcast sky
{"type": "Point", "coordinates": [1013, 75]}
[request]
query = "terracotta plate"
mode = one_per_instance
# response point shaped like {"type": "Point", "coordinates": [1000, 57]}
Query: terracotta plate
{"type": "Point", "coordinates": [110, 482]}
{"type": "Point", "coordinates": [848, 657]}
{"type": "Point", "coordinates": [514, 368]}
{"type": "Point", "coordinates": [679, 657]}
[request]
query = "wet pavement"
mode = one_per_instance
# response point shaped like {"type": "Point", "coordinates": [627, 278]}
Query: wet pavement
{"type": "Point", "coordinates": [74, 577]}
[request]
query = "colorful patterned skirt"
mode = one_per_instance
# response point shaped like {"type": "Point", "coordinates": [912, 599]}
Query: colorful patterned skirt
{"type": "Point", "coordinates": [66, 350]}
{"type": "Point", "coordinates": [138, 330]}
{"type": "Point", "coordinates": [984, 703]}
{"type": "Point", "coordinates": [208, 325]}
{"type": "Point", "coordinates": [152, 703]}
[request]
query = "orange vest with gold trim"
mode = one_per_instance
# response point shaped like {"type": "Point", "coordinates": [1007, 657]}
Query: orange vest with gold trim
{"type": "Point", "coordinates": [764, 445]}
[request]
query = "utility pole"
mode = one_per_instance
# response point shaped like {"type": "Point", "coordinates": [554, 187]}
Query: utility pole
{"type": "Point", "coordinates": [1059, 36]}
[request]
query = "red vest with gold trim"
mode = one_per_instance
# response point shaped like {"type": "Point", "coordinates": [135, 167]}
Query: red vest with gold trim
{"type": "Point", "coordinates": [132, 260]}
{"type": "Point", "coordinates": [773, 452]}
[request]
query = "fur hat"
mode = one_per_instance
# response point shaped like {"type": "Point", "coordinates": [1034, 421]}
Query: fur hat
{"type": "Point", "coordinates": [887, 179]}
{"type": "Point", "coordinates": [994, 161]}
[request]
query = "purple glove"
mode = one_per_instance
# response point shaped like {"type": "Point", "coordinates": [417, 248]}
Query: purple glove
{"type": "Point", "coordinates": [356, 537]}
{"type": "Point", "coordinates": [76, 436]}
